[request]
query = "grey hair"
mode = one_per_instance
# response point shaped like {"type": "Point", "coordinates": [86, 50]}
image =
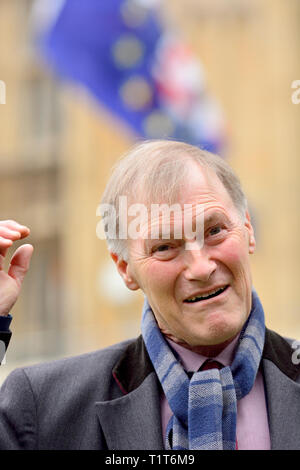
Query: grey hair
{"type": "Point", "coordinates": [155, 170]}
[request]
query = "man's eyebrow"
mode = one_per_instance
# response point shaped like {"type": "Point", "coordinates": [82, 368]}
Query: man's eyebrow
{"type": "Point", "coordinates": [149, 240]}
{"type": "Point", "coordinates": [215, 216]}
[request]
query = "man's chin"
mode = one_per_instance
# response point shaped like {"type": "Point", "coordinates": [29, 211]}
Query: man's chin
{"type": "Point", "coordinates": [218, 334]}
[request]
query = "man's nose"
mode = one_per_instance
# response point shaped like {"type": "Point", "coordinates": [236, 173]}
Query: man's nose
{"type": "Point", "coordinates": [198, 264]}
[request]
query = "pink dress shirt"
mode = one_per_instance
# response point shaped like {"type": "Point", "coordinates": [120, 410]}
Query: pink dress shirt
{"type": "Point", "coordinates": [252, 418]}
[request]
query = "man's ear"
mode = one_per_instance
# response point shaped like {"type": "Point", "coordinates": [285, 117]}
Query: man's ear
{"type": "Point", "coordinates": [249, 227]}
{"type": "Point", "coordinates": [125, 272]}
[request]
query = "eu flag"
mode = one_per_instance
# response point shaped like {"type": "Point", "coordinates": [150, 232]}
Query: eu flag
{"type": "Point", "coordinates": [127, 58]}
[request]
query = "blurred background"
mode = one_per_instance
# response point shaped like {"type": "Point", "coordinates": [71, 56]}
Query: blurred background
{"type": "Point", "coordinates": [81, 82]}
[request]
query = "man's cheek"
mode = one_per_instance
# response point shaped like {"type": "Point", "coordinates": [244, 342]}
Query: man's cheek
{"type": "Point", "coordinates": [230, 253]}
{"type": "Point", "coordinates": [161, 273]}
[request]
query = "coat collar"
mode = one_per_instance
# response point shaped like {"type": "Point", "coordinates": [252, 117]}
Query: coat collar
{"type": "Point", "coordinates": [135, 365]}
{"type": "Point", "coordinates": [279, 351]}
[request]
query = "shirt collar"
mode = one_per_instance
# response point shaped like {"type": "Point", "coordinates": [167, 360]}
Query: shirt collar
{"type": "Point", "coordinates": [192, 361]}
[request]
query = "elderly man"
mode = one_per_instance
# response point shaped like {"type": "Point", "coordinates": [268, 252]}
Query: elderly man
{"type": "Point", "coordinates": [205, 373]}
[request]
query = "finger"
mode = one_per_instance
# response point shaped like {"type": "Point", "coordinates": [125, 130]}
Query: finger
{"type": "Point", "coordinates": [24, 232]}
{"type": "Point", "coordinates": [20, 262]}
{"type": "Point", "coordinates": [15, 226]}
{"type": "Point", "coordinates": [5, 243]}
{"type": "Point", "coordinates": [11, 223]}
{"type": "Point", "coordinates": [8, 233]}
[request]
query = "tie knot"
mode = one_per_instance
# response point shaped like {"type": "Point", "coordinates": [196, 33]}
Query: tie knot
{"type": "Point", "coordinates": [211, 364]}
{"type": "Point", "coordinates": [207, 365]}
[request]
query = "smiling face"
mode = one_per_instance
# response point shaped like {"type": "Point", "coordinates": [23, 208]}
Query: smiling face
{"type": "Point", "coordinates": [202, 295]}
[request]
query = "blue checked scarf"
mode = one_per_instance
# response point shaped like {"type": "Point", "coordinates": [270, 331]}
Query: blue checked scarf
{"type": "Point", "coordinates": [205, 407]}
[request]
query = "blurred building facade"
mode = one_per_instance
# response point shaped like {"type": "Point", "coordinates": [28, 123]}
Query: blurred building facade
{"type": "Point", "coordinates": [58, 146]}
{"type": "Point", "coordinates": [30, 124]}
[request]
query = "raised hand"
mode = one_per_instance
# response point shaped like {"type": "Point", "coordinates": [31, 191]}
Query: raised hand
{"type": "Point", "coordinates": [11, 281]}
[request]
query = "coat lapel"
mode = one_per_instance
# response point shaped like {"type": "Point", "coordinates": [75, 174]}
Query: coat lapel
{"type": "Point", "coordinates": [283, 402]}
{"type": "Point", "coordinates": [282, 393]}
{"type": "Point", "coordinates": [132, 422]}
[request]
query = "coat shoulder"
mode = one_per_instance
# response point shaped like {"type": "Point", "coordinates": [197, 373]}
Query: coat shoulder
{"type": "Point", "coordinates": [86, 375]}
{"type": "Point", "coordinates": [40, 404]}
{"type": "Point", "coordinates": [99, 359]}
{"type": "Point", "coordinates": [283, 353]}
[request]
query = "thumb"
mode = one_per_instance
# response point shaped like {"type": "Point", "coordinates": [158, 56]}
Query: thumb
{"type": "Point", "coordinates": [20, 262]}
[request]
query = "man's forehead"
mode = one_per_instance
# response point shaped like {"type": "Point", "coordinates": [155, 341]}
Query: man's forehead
{"type": "Point", "coordinates": [200, 198]}
{"type": "Point", "coordinates": [196, 180]}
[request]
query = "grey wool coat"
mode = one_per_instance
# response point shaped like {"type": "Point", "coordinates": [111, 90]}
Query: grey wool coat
{"type": "Point", "coordinates": [110, 399]}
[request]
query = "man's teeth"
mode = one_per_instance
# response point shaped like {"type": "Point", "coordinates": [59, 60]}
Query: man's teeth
{"type": "Point", "coordinates": [211, 294]}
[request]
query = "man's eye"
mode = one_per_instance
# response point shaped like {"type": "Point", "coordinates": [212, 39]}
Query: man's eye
{"type": "Point", "coordinates": [215, 230]}
{"type": "Point", "coordinates": [165, 251]}
{"type": "Point", "coordinates": [162, 248]}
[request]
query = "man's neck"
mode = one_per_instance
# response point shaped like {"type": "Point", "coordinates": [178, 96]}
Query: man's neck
{"type": "Point", "coordinates": [205, 350]}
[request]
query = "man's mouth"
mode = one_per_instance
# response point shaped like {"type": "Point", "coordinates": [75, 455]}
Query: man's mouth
{"type": "Point", "coordinates": [209, 295]}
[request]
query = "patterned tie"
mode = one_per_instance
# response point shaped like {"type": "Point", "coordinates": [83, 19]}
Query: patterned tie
{"type": "Point", "coordinates": [207, 365]}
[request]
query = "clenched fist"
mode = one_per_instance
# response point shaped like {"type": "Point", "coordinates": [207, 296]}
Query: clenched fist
{"type": "Point", "coordinates": [10, 282]}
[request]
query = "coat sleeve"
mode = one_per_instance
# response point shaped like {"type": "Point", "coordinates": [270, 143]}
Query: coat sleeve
{"type": "Point", "coordinates": [4, 342]}
{"type": "Point", "coordinates": [17, 413]}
